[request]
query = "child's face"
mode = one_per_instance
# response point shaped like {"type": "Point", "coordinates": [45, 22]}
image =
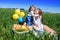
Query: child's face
{"type": "Point", "coordinates": [33, 8]}
{"type": "Point", "coordinates": [36, 13]}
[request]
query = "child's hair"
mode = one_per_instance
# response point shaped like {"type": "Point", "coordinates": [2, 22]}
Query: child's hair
{"type": "Point", "coordinates": [31, 7]}
{"type": "Point", "coordinates": [40, 13]}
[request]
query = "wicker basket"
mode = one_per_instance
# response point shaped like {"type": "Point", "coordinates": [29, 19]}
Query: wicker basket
{"type": "Point", "coordinates": [19, 32]}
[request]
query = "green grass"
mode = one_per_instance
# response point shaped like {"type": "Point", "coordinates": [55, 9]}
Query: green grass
{"type": "Point", "coordinates": [6, 24]}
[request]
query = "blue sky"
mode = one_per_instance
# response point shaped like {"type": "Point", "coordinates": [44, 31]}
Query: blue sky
{"type": "Point", "coordinates": [45, 5]}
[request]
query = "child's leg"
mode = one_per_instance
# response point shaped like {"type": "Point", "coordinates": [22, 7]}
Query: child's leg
{"type": "Point", "coordinates": [31, 28]}
{"type": "Point", "coordinates": [35, 27]}
{"type": "Point", "coordinates": [49, 30]}
{"type": "Point", "coordinates": [35, 33]}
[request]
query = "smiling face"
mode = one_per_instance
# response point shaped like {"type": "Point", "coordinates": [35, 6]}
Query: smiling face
{"type": "Point", "coordinates": [39, 11]}
{"type": "Point", "coordinates": [36, 13]}
{"type": "Point", "coordinates": [33, 8]}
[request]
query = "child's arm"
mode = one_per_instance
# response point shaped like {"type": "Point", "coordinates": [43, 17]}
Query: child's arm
{"type": "Point", "coordinates": [31, 13]}
{"type": "Point", "coordinates": [35, 27]}
{"type": "Point", "coordinates": [41, 19]}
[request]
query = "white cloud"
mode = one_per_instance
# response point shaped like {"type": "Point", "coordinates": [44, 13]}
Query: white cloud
{"type": "Point", "coordinates": [51, 9]}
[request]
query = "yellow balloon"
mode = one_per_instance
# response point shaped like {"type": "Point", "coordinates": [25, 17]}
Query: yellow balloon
{"type": "Point", "coordinates": [17, 11]}
{"type": "Point", "coordinates": [15, 16]}
{"type": "Point", "coordinates": [21, 14]}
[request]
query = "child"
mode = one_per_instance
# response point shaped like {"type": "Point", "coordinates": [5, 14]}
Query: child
{"type": "Point", "coordinates": [38, 23]}
{"type": "Point", "coordinates": [38, 26]}
{"type": "Point", "coordinates": [31, 10]}
{"type": "Point", "coordinates": [29, 18]}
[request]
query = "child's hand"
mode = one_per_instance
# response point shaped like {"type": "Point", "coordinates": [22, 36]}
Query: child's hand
{"type": "Point", "coordinates": [35, 27]}
{"type": "Point", "coordinates": [36, 15]}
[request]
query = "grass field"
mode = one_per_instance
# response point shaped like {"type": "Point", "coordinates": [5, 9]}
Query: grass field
{"type": "Point", "coordinates": [6, 24]}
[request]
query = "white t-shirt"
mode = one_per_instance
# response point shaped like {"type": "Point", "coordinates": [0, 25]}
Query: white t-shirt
{"type": "Point", "coordinates": [38, 22]}
{"type": "Point", "coordinates": [31, 13]}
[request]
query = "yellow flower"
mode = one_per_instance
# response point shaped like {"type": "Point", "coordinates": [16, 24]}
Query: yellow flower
{"type": "Point", "coordinates": [15, 16]}
{"type": "Point", "coordinates": [22, 14]}
{"type": "Point", "coordinates": [17, 11]}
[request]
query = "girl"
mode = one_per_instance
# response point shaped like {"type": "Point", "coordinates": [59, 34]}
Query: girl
{"type": "Point", "coordinates": [29, 18]}
{"type": "Point", "coordinates": [38, 25]}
